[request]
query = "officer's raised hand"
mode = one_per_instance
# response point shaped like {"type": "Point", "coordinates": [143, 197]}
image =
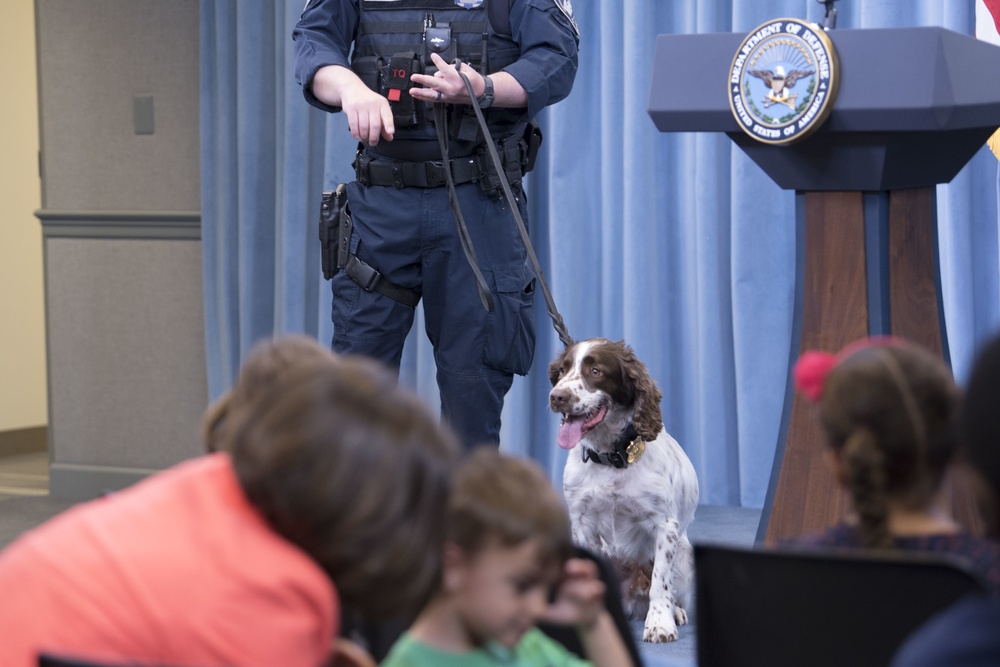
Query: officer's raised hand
{"type": "Point", "coordinates": [446, 85]}
{"type": "Point", "coordinates": [368, 113]}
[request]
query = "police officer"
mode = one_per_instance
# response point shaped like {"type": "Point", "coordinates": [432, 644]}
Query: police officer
{"type": "Point", "coordinates": [402, 89]}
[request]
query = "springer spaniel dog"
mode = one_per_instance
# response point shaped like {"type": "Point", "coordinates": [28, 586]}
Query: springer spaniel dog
{"type": "Point", "coordinates": [630, 488]}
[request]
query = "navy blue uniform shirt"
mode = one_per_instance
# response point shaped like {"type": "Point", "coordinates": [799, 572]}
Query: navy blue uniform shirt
{"type": "Point", "coordinates": [545, 69]}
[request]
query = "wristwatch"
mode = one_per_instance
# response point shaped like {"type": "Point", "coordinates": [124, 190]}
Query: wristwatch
{"type": "Point", "coordinates": [485, 100]}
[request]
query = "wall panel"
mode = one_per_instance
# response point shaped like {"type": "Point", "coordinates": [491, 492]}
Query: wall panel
{"type": "Point", "coordinates": [120, 219]}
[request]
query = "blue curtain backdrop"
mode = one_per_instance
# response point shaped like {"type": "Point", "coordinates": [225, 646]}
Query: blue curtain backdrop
{"type": "Point", "coordinates": [677, 243]}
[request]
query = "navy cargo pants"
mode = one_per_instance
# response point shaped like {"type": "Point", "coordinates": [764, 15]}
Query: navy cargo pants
{"type": "Point", "coordinates": [409, 236]}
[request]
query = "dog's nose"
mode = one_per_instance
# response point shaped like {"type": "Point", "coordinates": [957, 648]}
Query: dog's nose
{"type": "Point", "coordinates": [558, 399]}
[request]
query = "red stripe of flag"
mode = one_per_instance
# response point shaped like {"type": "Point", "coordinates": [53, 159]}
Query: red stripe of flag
{"type": "Point", "coordinates": [994, 8]}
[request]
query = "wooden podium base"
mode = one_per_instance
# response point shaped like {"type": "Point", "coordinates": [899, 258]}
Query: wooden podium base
{"type": "Point", "coordinates": [870, 268]}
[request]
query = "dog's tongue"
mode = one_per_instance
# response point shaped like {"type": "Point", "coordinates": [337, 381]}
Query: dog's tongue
{"type": "Point", "coordinates": [570, 432]}
{"type": "Point", "coordinates": [574, 428]}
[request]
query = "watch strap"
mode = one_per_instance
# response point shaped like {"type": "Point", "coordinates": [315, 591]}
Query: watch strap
{"type": "Point", "coordinates": [485, 100]}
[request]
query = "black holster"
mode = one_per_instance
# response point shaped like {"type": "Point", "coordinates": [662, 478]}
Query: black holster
{"type": "Point", "coordinates": [334, 231]}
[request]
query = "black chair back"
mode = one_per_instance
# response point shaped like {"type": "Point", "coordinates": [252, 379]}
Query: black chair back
{"type": "Point", "coordinates": [784, 607]}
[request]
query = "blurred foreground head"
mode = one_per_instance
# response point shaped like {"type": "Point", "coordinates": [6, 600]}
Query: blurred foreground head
{"type": "Point", "coordinates": [353, 470]}
{"type": "Point", "coordinates": [889, 412]}
{"type": "Point", "coordinates": [981, 427]}
{"type": "Point", "coordinates": [268, 360]}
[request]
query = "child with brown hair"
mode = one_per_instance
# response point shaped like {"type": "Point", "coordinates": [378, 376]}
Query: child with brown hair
{"type": "Point", "coordinates": [266, 363]}
{"type": "Point", "coordinates": [506, 567]}
{"type": "Point", "coordinates": [889, 409]}
{"type": "Point", "coordinates": [326, 494]}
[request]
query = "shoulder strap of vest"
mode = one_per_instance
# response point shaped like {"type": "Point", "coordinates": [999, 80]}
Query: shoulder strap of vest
{"type": "Point", "coordinates": [499, 13]}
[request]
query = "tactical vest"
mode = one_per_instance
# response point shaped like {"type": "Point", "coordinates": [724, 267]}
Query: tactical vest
{"type": "Point", "coordinates": [395, 39]}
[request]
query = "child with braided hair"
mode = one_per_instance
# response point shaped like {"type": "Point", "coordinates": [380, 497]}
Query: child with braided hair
{"type": "Point", "coordinates": [888, 409]}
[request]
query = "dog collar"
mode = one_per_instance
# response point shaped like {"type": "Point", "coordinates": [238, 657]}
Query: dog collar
{"type": "Point", "coordinates": [628, 449]}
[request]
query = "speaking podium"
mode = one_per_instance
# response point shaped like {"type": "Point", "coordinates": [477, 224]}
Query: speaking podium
{"type": "Point", "coordinates": [914, 106]}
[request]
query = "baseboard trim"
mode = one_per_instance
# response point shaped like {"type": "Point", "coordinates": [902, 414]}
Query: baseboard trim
{"type": "Point", "coordinates": [24, 441]}
{"type": "Point", "coordinates": [74, 481]}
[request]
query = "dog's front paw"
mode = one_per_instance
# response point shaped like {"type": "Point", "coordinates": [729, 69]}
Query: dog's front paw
{"type": "Point", "coordinates": [680, 615]}
{"type": "Point", "coordinates": [659, 635]}
{"type": "Point", "coordinates": [660, 625]}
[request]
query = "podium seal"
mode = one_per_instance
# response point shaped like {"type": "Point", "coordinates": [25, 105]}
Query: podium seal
{"type": "Point", "coordinates": [783, 81]}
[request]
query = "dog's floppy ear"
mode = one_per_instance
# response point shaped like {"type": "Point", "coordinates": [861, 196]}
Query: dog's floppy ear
{"type": "Point", "coordinates": [646, 415]}
{"type": "Point", "coordinates": [556, 367]}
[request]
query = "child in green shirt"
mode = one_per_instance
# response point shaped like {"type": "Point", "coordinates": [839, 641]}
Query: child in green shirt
{"type": "Point", "coordinates": [506, 567]}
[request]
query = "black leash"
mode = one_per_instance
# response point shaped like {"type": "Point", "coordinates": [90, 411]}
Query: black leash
{"type": "Point", "coordinates": [550, 304]}
{"type": "Point", "coordinates": [441, 123]}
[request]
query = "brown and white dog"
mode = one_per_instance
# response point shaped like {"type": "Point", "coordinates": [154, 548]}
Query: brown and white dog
{"type": "Point", "coordinates": [630, 488]}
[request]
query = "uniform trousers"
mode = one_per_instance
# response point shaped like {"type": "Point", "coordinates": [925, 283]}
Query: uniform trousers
{"type": "Point", "coordinates": [409, 235]}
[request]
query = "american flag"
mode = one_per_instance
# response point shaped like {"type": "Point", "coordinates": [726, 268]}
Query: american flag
{"type": "Point", "coordinates": [988, 29]}
{"type": "Point", "coordinates": [987, 13]}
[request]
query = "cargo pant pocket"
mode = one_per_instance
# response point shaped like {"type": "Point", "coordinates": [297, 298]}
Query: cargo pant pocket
{"type": "Point", "coordinates": [510, 344]}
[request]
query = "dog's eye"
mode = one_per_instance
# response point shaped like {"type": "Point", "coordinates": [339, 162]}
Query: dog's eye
{"type": "Point", "coordinates": [596, 372]}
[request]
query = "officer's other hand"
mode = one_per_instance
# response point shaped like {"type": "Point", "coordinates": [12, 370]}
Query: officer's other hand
{"type": "Point", "coordinates": [368, 114]}
{"type": "Point", "coordinates": [446, 85]}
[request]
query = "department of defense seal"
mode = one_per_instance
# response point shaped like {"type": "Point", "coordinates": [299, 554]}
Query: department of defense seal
{"type": "Point", "coordinates": [783, 81]}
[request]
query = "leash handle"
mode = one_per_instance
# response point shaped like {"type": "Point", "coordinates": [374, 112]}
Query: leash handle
{"type": "Point", "coordinates": [550, 304]}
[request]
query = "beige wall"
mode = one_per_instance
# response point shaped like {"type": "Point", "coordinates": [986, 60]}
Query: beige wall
{"type": "Point", "coordinates": [22, 319]}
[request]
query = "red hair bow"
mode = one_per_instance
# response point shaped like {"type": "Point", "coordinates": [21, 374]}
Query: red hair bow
{"type": "Point", "coordinates": [811, 371]}
{"type": "Point", "coordinates": [812, 367]}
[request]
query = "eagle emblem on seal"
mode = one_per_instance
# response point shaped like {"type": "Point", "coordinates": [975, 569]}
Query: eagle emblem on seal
{"type": "Point", "coordinates": [779, 82]}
